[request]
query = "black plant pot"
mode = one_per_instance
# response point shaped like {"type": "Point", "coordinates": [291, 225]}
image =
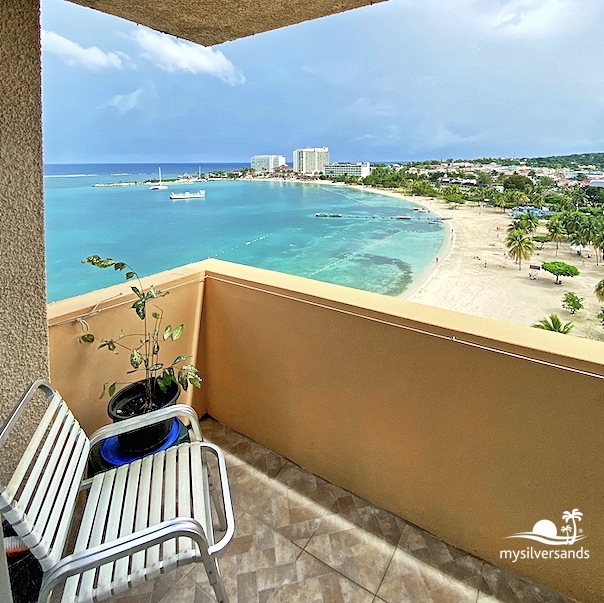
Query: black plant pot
{"type": "Point", "coordinates": [130, 402]}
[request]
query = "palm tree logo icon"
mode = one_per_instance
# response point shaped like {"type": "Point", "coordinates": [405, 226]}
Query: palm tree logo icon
{"type": "Point", "coordinates": [574, 515]}
{"type": "Point", "coordinates": [546, 532]}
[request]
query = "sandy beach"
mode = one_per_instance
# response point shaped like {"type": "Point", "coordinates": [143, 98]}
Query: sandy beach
{"type": "Point", "coordinates": [474, 275]}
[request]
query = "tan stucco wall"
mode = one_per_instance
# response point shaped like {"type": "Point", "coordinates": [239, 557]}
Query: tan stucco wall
{"type": "Point", "coordinates": [210, 22]}
{"type": "Point", "coordinates": [23, 333]}
{"type": "Point", "coordinates": [473, 438]}
{"type": "Point", "coordinates": [79, 370]}
{"type": "Point", "coordinates": [472, 445]}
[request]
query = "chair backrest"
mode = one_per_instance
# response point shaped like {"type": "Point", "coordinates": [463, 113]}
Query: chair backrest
{"type": "Point", "coordinates": [39, 499]}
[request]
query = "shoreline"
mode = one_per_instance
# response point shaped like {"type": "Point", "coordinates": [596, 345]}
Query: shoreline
{"type": "Point", "coordinates": [475, 276]}
{"type": "Point", "coordinates": [430, 270]}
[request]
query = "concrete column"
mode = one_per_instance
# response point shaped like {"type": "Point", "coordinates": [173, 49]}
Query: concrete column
{"type": "Point", "coordinates": [23, 329]}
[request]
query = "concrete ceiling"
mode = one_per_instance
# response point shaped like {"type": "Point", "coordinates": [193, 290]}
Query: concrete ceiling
{"type": "Point", "coordinates": [210, 22]}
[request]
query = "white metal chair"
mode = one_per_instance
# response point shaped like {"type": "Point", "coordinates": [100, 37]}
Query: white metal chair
{"type": "Point", "coordinates": [140, 520]}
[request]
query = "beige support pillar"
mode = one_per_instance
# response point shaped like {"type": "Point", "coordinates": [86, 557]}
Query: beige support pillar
{"type": "Point", "coordinates": [23, 330]}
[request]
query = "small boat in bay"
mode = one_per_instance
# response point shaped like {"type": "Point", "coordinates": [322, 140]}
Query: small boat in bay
{"type": "Point", "coordinates": [186, 196]}
{"type": "Point", "coordinates": [159, 186]}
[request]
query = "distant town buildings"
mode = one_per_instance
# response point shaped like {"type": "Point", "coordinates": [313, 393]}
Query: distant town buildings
{"type": "Point", "coordinates": [267, 163]}
{"type": "Point", "coordinates": [360, 169]}
{"type": "Point", "coordinates": [311, 161]}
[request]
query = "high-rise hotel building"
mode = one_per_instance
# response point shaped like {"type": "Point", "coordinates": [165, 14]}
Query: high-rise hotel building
{"type": "Point", "coordinates": [267, 163]}
{"type": "Point", "coordinates": [311, 161]}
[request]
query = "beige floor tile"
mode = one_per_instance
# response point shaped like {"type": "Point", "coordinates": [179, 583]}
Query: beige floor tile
{"type": "Point", "coordinates": [294, 503]}
{"type": "Point", "coordinates": [254, 564]}
{"type": "Point", "coordinates": [354, 552]}
{"type": "Point", "coordinates": [311, 581]}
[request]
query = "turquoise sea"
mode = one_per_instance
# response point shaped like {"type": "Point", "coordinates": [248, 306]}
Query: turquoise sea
{"type": "Point", "coordinates": [270, 225]}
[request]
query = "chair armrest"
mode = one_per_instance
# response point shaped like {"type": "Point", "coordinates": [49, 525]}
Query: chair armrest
{"type": "Point", "coordinates": [226, 497]}
{"type": "Point", "coordinates": [124, 546]}
{"type": "Point", "coordinates": [155, 416]}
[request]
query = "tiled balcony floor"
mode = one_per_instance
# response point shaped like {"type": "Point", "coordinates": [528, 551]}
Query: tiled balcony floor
{"type": "Point", "coordinates": [300, 539]}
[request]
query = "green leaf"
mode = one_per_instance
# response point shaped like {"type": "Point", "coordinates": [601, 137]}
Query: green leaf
{"type": "Point", "coordinates": [189, 368]}
{"type": "Point", "coordinates": [88, 338]}
{"type": "Point", "coordinates": [155, 348]}
{"type": "Point", "coordinates": [153, 292]}
{"type": "Point", "coordinates": [109, 344]}
{"type": "Point", "coordinates": [165, 380]}
{"type": "Point", "coordinates": [130, 275]}
{"type": "Point", "coordinates": [195, 380]}
{"type": "Point", "coordinates": [119, 265]}
{"type": "Point", "coordinates": [180, 359]}
{"type": "Point", "coordinates": [177, 332]}
{"type": "Point", "coordinates": [96, 260]}
{"type": "Point", "coordinates": [136, 358]}
{"type": "Point", "coordinates": [167, 332]}
{"type": "Point", "coordinates": [182, 379]}
{"type": "Point", "coordinates": [156, 367]}
{"type": "Point", "coordinates": [112, 389]}
{"type": "Point", "coordinates": [156, 315]}
{"type": "Point", "coordinates": [139, 306]}
{"type": "Point", "coordinates": [103, 392]}
{"type": "Point", "coordinates": [137, 291]}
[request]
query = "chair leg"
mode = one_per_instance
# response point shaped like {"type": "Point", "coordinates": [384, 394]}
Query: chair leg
{"type": "Point", "coordinates": [215, 579]}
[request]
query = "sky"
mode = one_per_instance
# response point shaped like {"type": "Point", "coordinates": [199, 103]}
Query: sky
{"type": "Point", "coordinates": [403, 80]}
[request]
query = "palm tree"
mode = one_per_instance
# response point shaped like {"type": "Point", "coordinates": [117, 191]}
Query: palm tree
{"type": "Point", "coordinates": [518, 197]}
{"type": "Point", "coordinates": [598, 239]}
{"type": "Point", "coordinates": [520, 246]}
{"type": "Point", "coordinates": [553, 323]}
{"type": "Point", "coordinates": [527, 222]}
{"type": "Point", "coordinates": [566, 529]}
{"type": "Point", "coordinates": [599, 291]}
{"type": "Point", "coordinates": [556, 230]}
{"type": "Point", "coordinates": [572, 515]}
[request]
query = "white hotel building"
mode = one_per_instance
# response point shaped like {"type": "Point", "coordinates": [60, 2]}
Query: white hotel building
{"type": "Point", "coordinates": [348, 169]}
{"type": "Point", "coordinates": [311, 161]}
{"type": "Point", "coordinates": [267, 163]}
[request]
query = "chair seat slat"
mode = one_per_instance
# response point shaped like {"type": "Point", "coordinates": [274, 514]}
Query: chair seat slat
{"type": "Point", "coordinates": [201, 504]}
{"type": "Point", "coordinates": [57, 529]}
{"type": "Point", "coordinates": [156, 509]}
{"type": "Point", "coordinates": [31, 451]}
{"type": "Point", "coordinates": [42, 457]}
{"type": "Point", "coordinates": [56, 476]}
{"type": "Point", "coordinates": [127, 524]}
{"type": "Point", "coordinates": [184, 493]}
{"type": "Point", "coordinates": [169, 510]}
{"type": "Point", "coordinates": [99, 524]}
{"type": "Point", "coordinates": [141, 520]}
{"type": "Point", "coordinates": [114, 518]}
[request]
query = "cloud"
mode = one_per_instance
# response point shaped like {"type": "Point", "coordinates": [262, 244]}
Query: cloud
{"type": "Point", "coordinates": [73, 54]}
{"type": "Point", "coordinates": [365, 107]}
{"type": "Point", "coordinates": [178, 55]}
{"type": "Point", "coordinates": [124, 102]}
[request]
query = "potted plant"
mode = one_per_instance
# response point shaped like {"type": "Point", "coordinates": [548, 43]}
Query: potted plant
{"type": "Point", "coordinates": [161, 383]}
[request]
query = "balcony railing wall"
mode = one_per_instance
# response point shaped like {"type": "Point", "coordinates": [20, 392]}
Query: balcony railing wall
{"type": "Point", "coordinates": [472, 429]}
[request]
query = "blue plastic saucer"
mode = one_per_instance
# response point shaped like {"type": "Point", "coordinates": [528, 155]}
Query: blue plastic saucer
{"type": "Point", "coordinates": [114, 455]}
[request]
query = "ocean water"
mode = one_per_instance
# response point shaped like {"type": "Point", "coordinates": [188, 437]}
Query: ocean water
{"type": "Point", "coordinates": [265, 224]}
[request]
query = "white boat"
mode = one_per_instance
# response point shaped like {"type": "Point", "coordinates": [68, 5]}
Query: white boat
{"type": "Point", "coordinates": [159, 186]}
{"type": "Point", "coordinates": [187, 196]}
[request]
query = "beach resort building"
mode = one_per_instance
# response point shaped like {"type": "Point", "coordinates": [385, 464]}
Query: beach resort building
{"type": "Point", "coordinates": [377, 449]}
{"type": "Point", "coordinates": [311, 161]}
{"type": "Point", "coordinates": [267, 163]}
{"type": "Point", "coordinates": [348, 169]}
